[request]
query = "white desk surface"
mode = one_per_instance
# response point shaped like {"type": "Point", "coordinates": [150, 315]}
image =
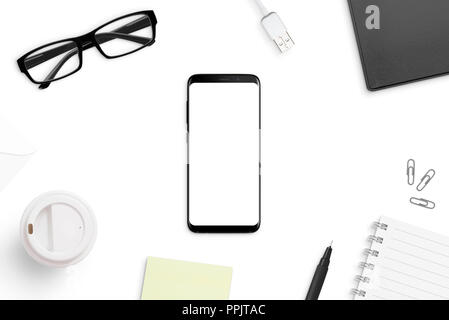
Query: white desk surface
{"type": "Point", "coordinates": [334, 154]}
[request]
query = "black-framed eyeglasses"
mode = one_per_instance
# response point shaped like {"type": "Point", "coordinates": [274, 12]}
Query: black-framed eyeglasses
{"type": "Point", "coordinates": [115, 39]}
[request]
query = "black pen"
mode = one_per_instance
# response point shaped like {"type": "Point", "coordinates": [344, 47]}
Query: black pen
{"type": "Point", "coordinates": [320, 275]}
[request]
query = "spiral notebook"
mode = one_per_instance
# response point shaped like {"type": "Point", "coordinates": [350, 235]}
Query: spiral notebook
{"type": "Point", "coordinates": [404, 263]}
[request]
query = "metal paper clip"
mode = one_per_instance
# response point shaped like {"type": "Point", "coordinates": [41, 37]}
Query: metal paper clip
{"type": "Point", "coordinates": [425, 180]}
{"type": "Point", "coordinates": [423, 203]}
{"type": "Point", "coordinates": [411, 172]}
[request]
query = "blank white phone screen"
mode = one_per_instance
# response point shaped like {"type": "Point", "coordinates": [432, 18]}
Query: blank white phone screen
{"type": "Point", "coordinates": [224, 154]}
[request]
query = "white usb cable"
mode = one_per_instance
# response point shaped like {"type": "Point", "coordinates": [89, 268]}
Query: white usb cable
{"type": "Point", "coordinates": [275, 28]}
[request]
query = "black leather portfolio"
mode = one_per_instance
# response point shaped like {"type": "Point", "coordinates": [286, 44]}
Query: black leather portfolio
{"type": "Point", "coordinates": [401, 41]}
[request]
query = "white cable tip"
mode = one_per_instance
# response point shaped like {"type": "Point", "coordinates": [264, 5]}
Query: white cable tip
{"type": "Point", "coordinates": [277, 31]}
{"type": "Point", "coordinates": [275, 28]}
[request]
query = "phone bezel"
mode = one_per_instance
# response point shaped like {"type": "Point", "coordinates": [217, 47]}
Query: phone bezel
{"type": "Point", "coordinates": [223, 78]}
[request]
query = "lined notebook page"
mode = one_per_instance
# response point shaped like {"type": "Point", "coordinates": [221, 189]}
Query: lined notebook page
{"type": "Point", "coordinates": [411, 264]}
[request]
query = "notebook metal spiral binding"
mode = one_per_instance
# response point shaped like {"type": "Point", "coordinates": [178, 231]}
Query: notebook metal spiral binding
{"type": "Point", "coordinates": [381, 226]}
{"type": "Point", "coordinates": [362, 279]}
{"type": "Point", "coordinates": [359, 292]}
{"type": "Point", "coordinates": [369, 252]}
{"type": "Point", "coordinates": [373, 238]}
{"type": "Point", "coordinates": [365, 265]}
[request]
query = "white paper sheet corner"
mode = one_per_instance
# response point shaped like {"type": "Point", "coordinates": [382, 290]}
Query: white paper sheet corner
{"type": "Point", "coordinates": [15, 151]}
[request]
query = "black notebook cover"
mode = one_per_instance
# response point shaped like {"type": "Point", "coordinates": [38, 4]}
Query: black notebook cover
{"type": "Point", "coordinates": [401, 41]}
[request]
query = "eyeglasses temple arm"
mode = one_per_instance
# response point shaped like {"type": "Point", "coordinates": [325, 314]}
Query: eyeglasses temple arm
{"type": "Point", "coordinates": [58, 67]}
{"type": "Point", "coordinates": [37, 59]}
{"type": "Point", "coordinates": [101, 38]}
{"type": "Point", "coordinates": [134, 26]}
{"type": "Point", "coordinates": [108, 36]}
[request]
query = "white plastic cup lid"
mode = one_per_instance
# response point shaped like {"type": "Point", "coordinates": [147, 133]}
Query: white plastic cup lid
{"type": "Point", "coordinates": [58, 229]}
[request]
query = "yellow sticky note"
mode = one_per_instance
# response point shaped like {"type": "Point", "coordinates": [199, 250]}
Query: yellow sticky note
{"type": "Point", "coordinates": [179, 280]}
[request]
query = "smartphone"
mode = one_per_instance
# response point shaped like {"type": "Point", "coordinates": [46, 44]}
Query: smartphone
{"type": "Point", "coordinates": [223, 153]}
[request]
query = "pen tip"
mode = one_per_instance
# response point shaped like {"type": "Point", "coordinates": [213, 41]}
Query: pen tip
{"type": "Point", "coordinates": [332, 242]}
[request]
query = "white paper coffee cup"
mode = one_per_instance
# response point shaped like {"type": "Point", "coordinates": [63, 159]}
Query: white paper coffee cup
{"type": "Point", "coordinates": [58, 229]}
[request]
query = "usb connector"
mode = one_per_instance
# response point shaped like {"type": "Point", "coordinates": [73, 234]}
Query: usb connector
{"type": "Point", "coordinates": [277, 31]}
{"type": "Point", "coordinates": [275, 28]}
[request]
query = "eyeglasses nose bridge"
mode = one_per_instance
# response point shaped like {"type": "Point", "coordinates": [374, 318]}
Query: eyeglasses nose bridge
{"type": "Point", "coordinates": [87, 41]}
